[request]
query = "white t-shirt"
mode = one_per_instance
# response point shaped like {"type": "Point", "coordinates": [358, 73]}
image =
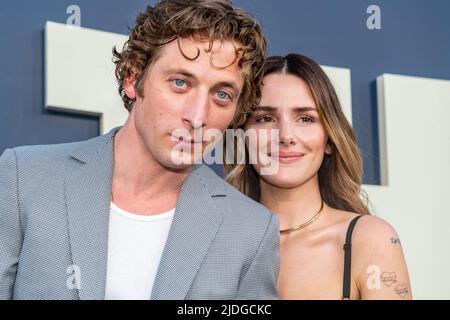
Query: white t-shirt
{"type": "Point", "coordinates": [135, 247]}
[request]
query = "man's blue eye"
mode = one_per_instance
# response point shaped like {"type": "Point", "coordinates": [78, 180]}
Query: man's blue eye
{"type": "Point", "coordinates": [179, 82]}
{"type": "Point", "coordinates": [223, 95]}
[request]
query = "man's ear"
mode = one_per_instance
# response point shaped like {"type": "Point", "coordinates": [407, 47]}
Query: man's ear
{"type": "Point", "coordinates": [129, 86]}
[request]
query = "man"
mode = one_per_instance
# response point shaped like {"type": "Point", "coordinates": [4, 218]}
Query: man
{"type": "Point", "coordinates": [117, 216]}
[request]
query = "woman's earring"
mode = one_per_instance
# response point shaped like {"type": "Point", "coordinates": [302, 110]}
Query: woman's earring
{"type": "Point", "coordinates": [328, 149]}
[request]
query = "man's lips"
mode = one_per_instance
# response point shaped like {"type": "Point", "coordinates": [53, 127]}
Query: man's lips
{"type": "Point", "coordinates": [186, 140]}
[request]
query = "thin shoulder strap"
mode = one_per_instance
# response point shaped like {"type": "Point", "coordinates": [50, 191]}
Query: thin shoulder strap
{"type": "Point", "coordinates": [348, 259]}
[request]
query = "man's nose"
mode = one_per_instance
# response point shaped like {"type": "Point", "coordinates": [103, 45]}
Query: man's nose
{"type": "Point", "coordinates": [196, 110]}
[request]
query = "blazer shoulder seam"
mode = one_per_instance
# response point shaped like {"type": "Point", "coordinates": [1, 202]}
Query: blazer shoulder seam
{"type": "Point", "coordinates": [16, 166]}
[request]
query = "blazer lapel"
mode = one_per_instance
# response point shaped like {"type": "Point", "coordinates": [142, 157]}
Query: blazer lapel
{"type": "Point", "coordinates": [88, 194]}
{"type": "Point", "coordinates": [195, 224]}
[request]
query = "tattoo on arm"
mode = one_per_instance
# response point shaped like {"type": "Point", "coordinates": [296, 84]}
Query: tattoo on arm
{"type": "Point", "coordinates": [388, 278]}
{"type": "Point", "coordinates": [401, 290]}
{"type": "Point", "coordinates": [395, 240]}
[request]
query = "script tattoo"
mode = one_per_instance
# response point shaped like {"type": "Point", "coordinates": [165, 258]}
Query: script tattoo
{"type": "Point", "coordinates": [395, 240]}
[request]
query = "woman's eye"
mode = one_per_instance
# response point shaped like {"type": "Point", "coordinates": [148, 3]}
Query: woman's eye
{"type": "Point", "coordinates": [305, 119]}
{"type": "Point", "coordinates": [263, 119]}
{"type": "Point", "coordinates": [222, 95]}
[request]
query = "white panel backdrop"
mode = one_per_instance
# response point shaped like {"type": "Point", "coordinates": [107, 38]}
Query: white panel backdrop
{"type": "Point", "coordinates": [415, 149]}
{"type": "Point", "coordinates": [79, 73]}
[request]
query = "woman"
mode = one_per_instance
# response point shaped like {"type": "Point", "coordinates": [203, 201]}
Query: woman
{"type": "Point", "coordinates": [316, 191]}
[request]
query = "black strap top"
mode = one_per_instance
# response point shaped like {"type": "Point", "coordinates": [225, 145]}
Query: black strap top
{"type": "Point", "coordinates": [348, 259]}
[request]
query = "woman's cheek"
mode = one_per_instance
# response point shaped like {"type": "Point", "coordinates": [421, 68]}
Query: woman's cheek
{"type": "Point", "coordinates": [313, 138]}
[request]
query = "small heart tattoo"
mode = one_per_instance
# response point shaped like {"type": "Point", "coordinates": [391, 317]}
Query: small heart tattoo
{"type": "Point", "coordinates": [401, 290]}
{"type": "Point", "coordinates": [388, 278]}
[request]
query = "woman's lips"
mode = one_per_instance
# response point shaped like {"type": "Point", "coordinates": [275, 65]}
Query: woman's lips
{"type": "Point", "coordinates": [288, 157]}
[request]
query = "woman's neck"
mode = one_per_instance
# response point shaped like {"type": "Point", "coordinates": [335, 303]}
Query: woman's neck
{"type": "Point", "coordinates": [293, 206]}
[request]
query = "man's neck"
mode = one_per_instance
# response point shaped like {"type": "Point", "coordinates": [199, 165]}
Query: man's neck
{"type": "Point", "coordinates": [141, 184]}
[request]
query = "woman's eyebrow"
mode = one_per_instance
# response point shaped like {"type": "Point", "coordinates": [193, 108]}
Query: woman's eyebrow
{"type": "Point", "coordinates": [304, 109]}
{"type": "Point", "coordinates": [263, 108]}
{"type": "Point", "coordinates": [272, 109]}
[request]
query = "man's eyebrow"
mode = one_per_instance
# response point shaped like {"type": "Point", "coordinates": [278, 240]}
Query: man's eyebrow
{"type": "Point", "coordinates": [272, 109]}
{"type": "Point", "coordinates": [182, 72]}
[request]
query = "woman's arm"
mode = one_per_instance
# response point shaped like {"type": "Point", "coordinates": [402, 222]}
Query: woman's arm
{"type": "Point", "coordinates": [379, 265]}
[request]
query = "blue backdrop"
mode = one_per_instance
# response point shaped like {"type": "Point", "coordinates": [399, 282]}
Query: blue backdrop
{"type": "Point", "coordinates": [414, 40]}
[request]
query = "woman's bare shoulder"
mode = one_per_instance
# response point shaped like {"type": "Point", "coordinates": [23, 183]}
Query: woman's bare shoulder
{"type": "Point", "coordinates": [368, 227]}
{"type": "Point", "coordinates": [372, 231]}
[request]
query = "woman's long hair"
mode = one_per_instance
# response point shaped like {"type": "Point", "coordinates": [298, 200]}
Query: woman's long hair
{"type": "Point", "coordinates": [340, 175]}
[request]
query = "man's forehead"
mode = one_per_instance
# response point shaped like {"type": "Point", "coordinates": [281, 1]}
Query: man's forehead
{"type": "Point", "coordinates": [194, 58]}
{"type": "Point", "coordinates": [221, 53]}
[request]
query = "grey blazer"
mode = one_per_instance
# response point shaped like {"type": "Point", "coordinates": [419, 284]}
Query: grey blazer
{"type": "Point", "coordinates": [54, 216]}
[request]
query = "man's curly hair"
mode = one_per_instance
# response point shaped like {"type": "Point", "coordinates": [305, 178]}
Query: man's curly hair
{"type": "Point", "coordinates": [205, 20]}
